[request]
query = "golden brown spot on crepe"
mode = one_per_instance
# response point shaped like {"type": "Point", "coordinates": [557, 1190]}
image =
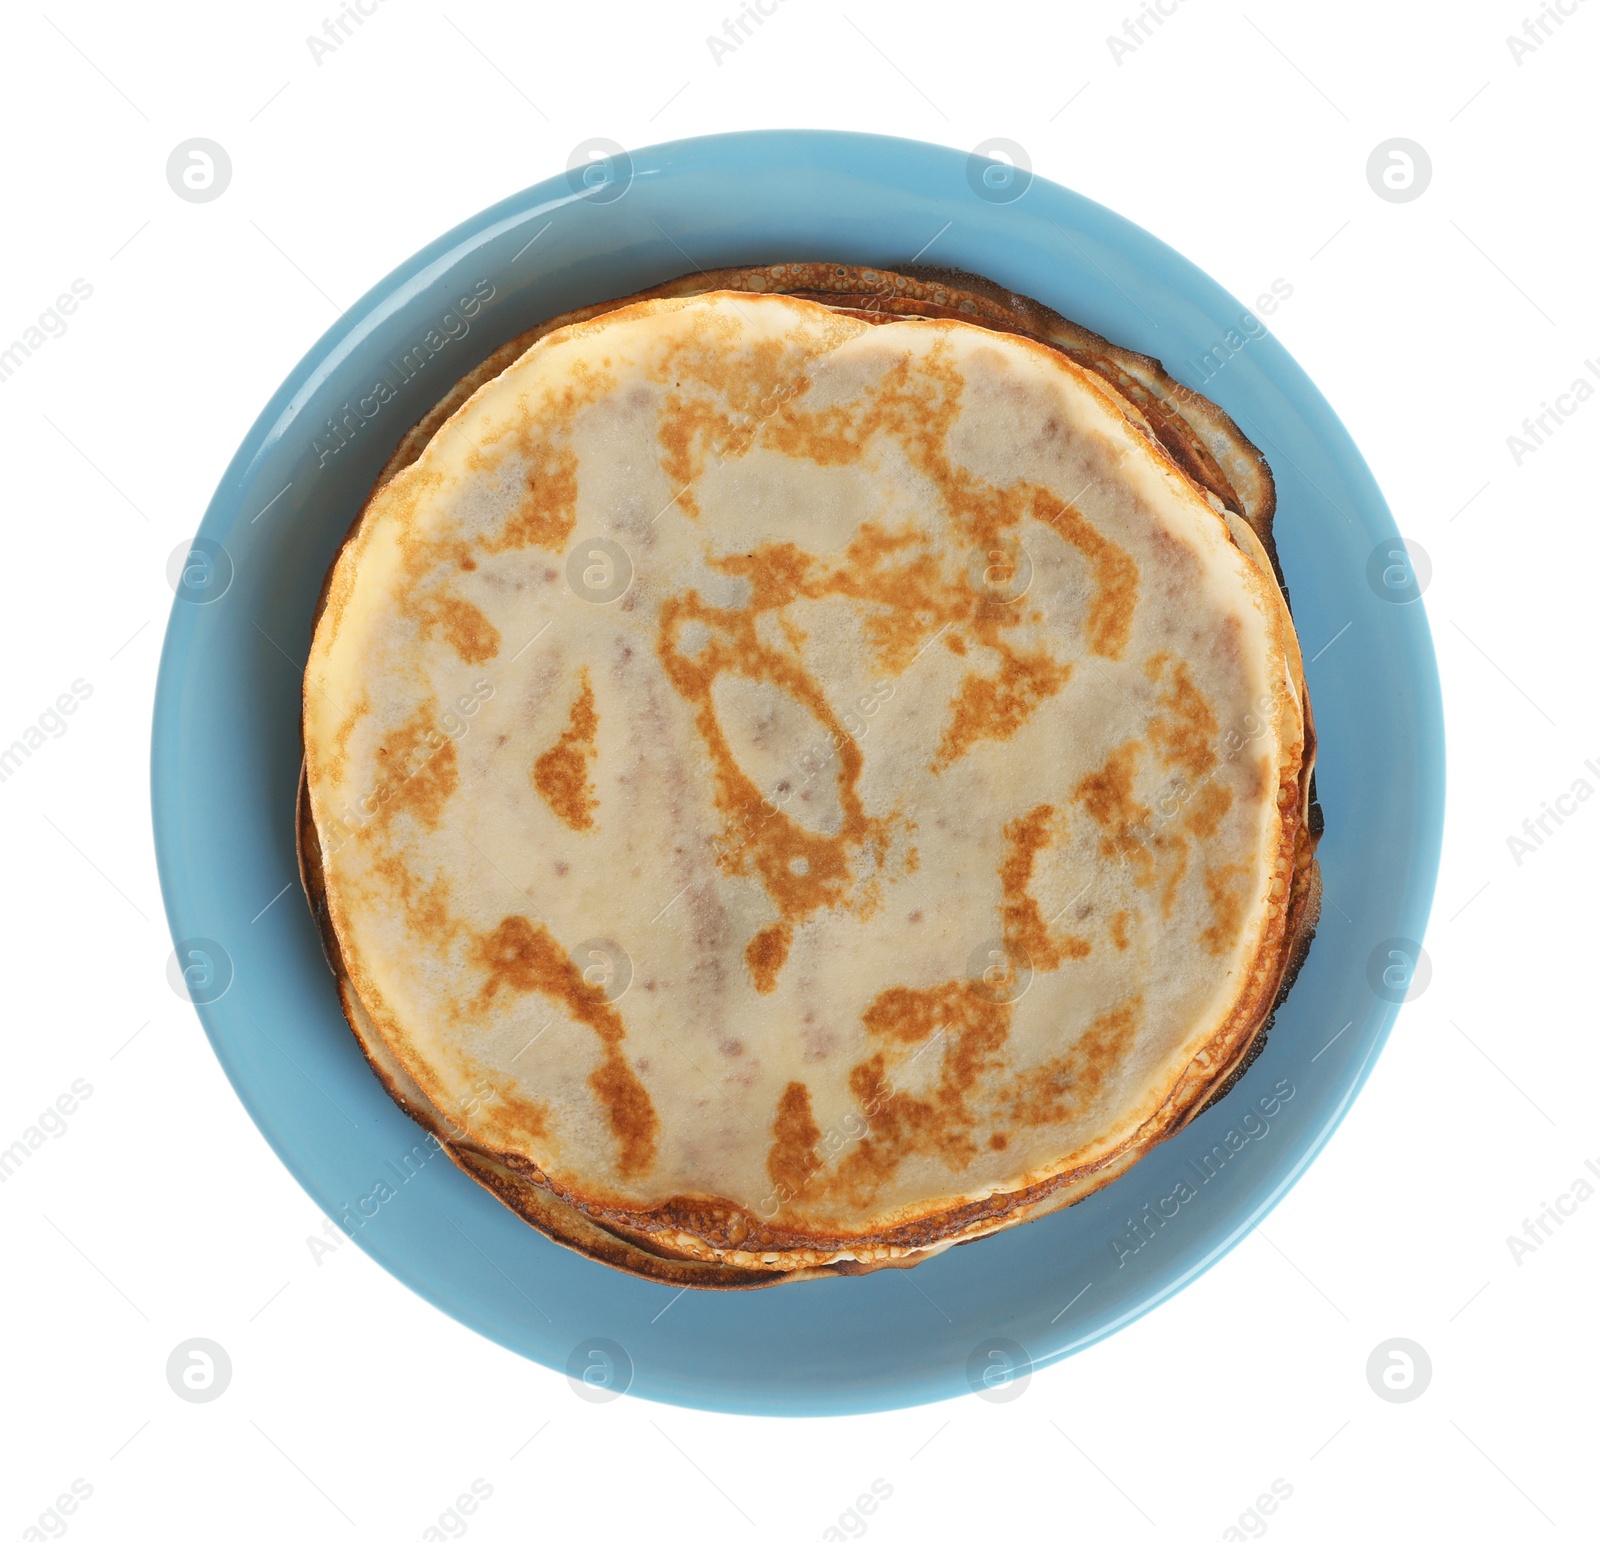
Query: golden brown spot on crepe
{"type": "Point", "coordinates": [915, 400]}
{"type": "Point", "coordinates": [793, 1159]}
{"type": "Point", "coordinates": [549, 508]}
{"type": "Point", "coordinates": [427, 905]}
{"type": "Point", "coordinates": [684, 425]}
{"type": "Point", "coordinates": [1173, 850]}
{"type": "Point", "coordinates": [404, 496]}
{"type": "Point", "coordinates": [722, 395]}
{"type": "Point", "coordinates": [1024, 927]}
{"type": "Point", "coordinates": [1062, 1087]}
{"type": "Point", "coordinates": [979, 1024]}
{"type": "Point", "coordinates": [970, 1028]}
{"type": "Point", "coordinates": [418, 771]}
{"type": "Point", "coordinates": [765, 954]}
{"type": "Point", "coordinates": [1119, 929]}
{"type": "Point", "coordinates": [1116, 575]}
{"type": "Point", "coordinates": [1107, 794]}
{"type": "Point", "coordinates": [1182, 734]}
{"type": "Point", "coordinates": [1212, 802]}
{"type": "Point", "coordinates": [511, 1117]}
{"type": "Point", "coordinates": [900, 602]}
{"type": "Point", "coordinates": [907, 602]}
{"type": "Point", "coordinates": [561, 774]}
{"type": "Point", "coordinates": [908, 1015]}
{"type": "Point", "coordinates": [1226, 887]}
{"type": "Point", "coordinates": [522, 955]}
{"type": "Point", "coordinates": [996, 707]}
{"type": "Point", "coordinates": [540, 433]}
{"type": "Point", "coordinates": [1185, 736]}
{"type": "Point", "coordinates": [465, 627]}
{"type": "Point", "coordinates": [633, 1117]}
{"type": "Point", "coordinates": [341, 736]}
{"type": "Point", "coordinates": [1262, 779]}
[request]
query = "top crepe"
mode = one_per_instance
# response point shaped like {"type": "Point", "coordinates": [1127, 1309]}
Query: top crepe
{"type": "Point", "coordinates": [801, 789]}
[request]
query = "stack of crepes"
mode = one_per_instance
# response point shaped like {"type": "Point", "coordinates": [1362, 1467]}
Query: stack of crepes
{"type": "Point", "coordinates": [807, 766]}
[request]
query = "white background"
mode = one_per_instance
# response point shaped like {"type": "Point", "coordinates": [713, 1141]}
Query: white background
{"type": "Point", "coordinates": [1434, 327]}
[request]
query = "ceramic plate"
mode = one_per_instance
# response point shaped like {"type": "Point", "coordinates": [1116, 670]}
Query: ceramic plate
{"type": "Point", "coordinates": [227, 753]}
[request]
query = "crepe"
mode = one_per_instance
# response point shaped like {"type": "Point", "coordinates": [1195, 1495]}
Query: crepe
{"type": "Point", "coordinates": [992, 626]}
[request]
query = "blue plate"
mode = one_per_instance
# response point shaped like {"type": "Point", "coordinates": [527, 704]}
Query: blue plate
{"type": "Point", "coordinates": [226, 756]}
